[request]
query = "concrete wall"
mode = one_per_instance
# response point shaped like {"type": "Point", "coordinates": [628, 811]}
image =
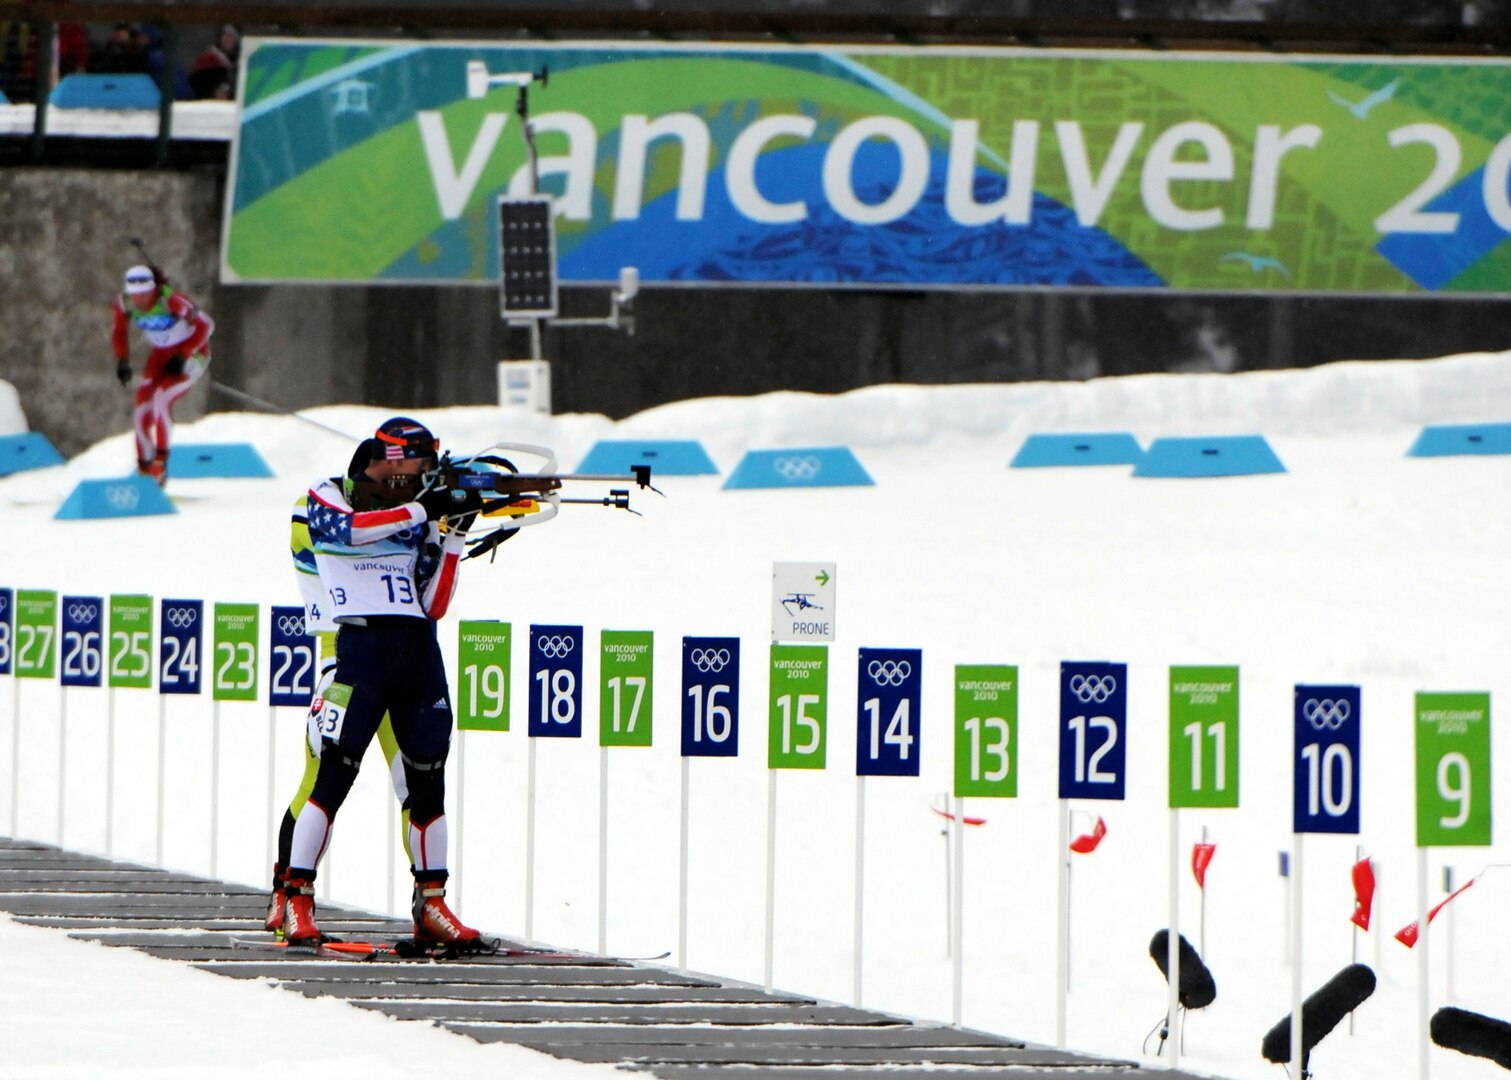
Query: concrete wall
{"type": "Point", "coordinates": [65, 245]}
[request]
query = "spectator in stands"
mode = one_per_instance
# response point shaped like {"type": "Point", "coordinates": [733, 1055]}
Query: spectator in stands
{"type": "Point", "coordinates": [214, 72]}
{"type": "Point", "coordinates": [73, 48]}
{"type": "Point", "coordinates": [124, 51]}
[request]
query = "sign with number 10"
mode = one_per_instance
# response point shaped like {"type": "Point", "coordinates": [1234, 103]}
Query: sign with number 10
{"type": "Point", "coordinates": [1204, 736]}
{"type": "Point", "coordinates": [182, 626]}
{"type": "Point", "coordinates": [556, 682]}
{"type": "Point", "coordinates": [710, 696]}
{"type": "Point", "coordinates": [82, 640]}
{"type": "Point", "coordinates": [986, 730]}
{"type": "Point", "coordinates": [36, 629]}
{"type": "Point", "coordinates": [624, 693]}
{"type": "Point", "coordinates": [798, 718]}
{"type": "Point", "coordinates": [130, 650]}
{"type": "Point", "coordinates": [483, 675]}
{"type": "Point", "coordinates": [1453, 769]}
{"type": "Point", "coordinates": [1326, 767]}
{"type": "Point", "coordinates": [1093, 722]}
{"type": "Point", "coordinates": [7, 628]}
{"type": "Point", "coordinates": [889, 695]}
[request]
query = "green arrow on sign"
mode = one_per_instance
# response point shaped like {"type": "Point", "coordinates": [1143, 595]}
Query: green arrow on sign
{"type": "Point", "coordinates": [822, 577]}
{"type": "Point", "coordinates": [1453, 769]}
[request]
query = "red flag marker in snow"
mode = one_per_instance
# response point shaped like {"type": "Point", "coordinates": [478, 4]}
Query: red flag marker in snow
{"type": "Point", "coordinates": [951, 817]}
{"type": "Point", "coordinates": [1364, 892]}
{"type": "Point", "coordinates": [1407, 935]}
{"type": "Point", "coordinates": [1086, 843]}
{"type": "Point", "coordinates": [1201, 858]}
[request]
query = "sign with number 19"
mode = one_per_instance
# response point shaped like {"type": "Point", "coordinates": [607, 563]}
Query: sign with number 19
{"type": "Point", "coordinates": [1453, 769]}
{"type": "Point", "coordinates": [482, 676]}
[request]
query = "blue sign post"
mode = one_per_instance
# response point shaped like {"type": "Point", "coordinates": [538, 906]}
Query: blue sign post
{"type": "Point", "coordinates": [888, 699]}
{"type": "Point", "coordinates": [1093, 726]}
{"type": "Point", "coordinates": [182, 625]}
{"type": "Point", "coordinates": [83, 651]}
{"type": "Point", "coordinates": [291, 674]}
{"type": "Point", "coordinates": [1326, 781]}
{"type": "Point", "coordinates": [710, 696]}
{"type": "Point", "coordinates": [7, 627]}
{"type": "Point", "coordinates": [556, 682]}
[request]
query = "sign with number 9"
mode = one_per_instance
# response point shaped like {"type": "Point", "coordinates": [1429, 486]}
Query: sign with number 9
{"type": "Point", "coordinates": [1453, 769]}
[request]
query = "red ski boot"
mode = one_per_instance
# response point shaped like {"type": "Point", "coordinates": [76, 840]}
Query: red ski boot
{"type": "Point", "coordinates": [436, 926]}
{"type": "Point", "coordinates": [299, 926]}
{"type": "Point", "coordinates": [273, 921]}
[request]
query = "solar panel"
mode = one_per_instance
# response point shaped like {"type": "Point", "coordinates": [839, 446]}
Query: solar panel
{"type": "Point", "coordinates": [526, 256]}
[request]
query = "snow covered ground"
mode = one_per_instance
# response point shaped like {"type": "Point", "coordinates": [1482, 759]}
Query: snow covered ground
{"type": "Point", "coordinates": [1358, 565]}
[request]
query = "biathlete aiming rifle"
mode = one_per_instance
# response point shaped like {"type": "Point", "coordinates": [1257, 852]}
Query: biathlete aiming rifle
{"type": "Point", "coordinates": [524, 498]}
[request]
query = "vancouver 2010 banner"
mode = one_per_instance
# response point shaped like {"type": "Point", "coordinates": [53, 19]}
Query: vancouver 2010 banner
{"type": "Point", "coordinates": [938, 167]}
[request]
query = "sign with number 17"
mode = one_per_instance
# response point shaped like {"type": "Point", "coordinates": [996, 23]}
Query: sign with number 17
{"type": "Point", "coordinates": [624, 699]}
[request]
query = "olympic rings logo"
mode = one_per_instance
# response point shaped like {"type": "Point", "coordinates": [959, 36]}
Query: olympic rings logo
{"type": "Point", "coordinates": [291, 625]}
{"type": "Point", "coordinates": [889, 672]}
{"type": "Point", "coordinates": [82, 613]}
{"type": "Point", "coordinates": [1325, 713]}
{"type": "Point", "coordinates": [796, 468]}
{"type": "Point", "coordinates": [179, 617]}
{"type": "Point", "coordinates": [4, 601]}
{"type": "Point", "coordinates": [122, 496]}
{"type": "Point", "coordinates": [557, 645]}
{"type": "Point", "coordinates": [709, 660]}
{"type": "Point", "coordinates": [1093, 688]}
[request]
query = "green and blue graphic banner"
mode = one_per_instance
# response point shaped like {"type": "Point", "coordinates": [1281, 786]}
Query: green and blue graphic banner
{"type": "Point", "coordinates": [947, 167]}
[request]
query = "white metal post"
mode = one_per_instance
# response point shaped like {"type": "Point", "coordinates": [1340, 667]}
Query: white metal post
{"type": "Point", "coordinates": [860, 884]}
{"type": "Point", "coordinates": [1062, 923]}
{"type": "Point", "coordinates": [214, 787]}
{"type": "Point", "coordinates": [530, 845]}
{"type": "Point", "coordinates": [603, 850]}
{"type": "Point", "coordinates": [770, 875]}
{"type": "Point", "coordinates": [1296, 954]}
{"type": "Point", "coordinates": [62, 756]}
{"type": "Point", "coordinates": [957, 915]}
{"type": "Point", "coordinates": [682, 875]}
{"type": "Point", "coordinates": [1424, 971]}
{"type": "Point", "coordinates": [162, 757]}
{"type": "Point", "coordinates": [1172, 945]}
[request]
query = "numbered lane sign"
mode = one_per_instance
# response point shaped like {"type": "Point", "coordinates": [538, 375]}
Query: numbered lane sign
{"type": "Point", "coordinates": [82, 649]}
{"type": "Point", "coordinates": [1453, 769]}
{"type": "Point", "coordinates": [483, 674]}
{"type": "Point", "coordinates": [710, 696]}
{"type": "Point", "coordinates": [986, 730]}
{"type": "Point", "coordinates": [130, 647]}
{"type": "Point", "coordinates": [235, 674]}
{"type": "Point", "coordinates": [1203, 736]}
{"type": "Point", "coordinates": [1326, 766]}
{"type": "Point", "coordinates": [36, 633]}
{"type": "Point", "coordinates": [556, 681]}
{"type": "Point", "coordinates": [7, 628]}
{"type": "Point", "coordinates": [181, 627]}
{"type": "Point", "coordinates": [291, 652]}
{"type": "Point", "coordinates": [624, 693]}
{"type": "Point", "coordinates": [799, 717]}
{"type": "Point", "coordinates": [888, 699]}
{"type": "Point", "coordinates": [1093, 729]}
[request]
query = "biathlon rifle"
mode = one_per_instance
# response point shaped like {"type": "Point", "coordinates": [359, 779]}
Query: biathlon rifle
{"type": "Point", "coordinates": [523, 498]}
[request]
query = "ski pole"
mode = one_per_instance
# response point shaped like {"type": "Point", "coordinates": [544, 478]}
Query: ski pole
{"type": "Point", "coordinates": [269, 406]}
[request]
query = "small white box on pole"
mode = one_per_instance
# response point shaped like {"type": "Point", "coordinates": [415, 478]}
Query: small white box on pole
{"type": "Point", "coordinates": [525, 384]}
{"type": "Point", "coordinates": [802, 601]}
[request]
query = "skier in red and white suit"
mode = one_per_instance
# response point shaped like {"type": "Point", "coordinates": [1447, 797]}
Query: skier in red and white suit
{"type": "Point", "coordinates": [180, 336]}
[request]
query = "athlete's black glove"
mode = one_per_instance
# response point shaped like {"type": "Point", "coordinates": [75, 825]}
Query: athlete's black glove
{"type": "Point", "coordinates": [441, 502]}
{"type": "Point", "coordinates": [123, 372]}
{"type": "Point", "coordinates": [175, 365]}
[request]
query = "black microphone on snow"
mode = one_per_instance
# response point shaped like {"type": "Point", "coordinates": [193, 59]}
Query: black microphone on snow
{"type": "Point", "coordinates": [1472, 1033]}
{"type": "Point", "coordinates": [1320, 1013]}
{"type": "Point", "coordinates": [1197, 988]}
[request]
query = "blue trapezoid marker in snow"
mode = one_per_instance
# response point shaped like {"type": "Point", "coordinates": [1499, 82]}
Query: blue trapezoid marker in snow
{"type": "Point", "coordinates": [666, 457]}
{"type": "Point", "coordinates": [1219, 455]}
{"type": "Point", "coordinates": [813, 466]}
{"type": "Point", "coordinates": [1093, 448]}
{"type": "Point", "coordinates": [29, 450]}
{"type": "Point", "coordinates": [196, 461]}
{"type": "Point", "coordinates": [126, 496]}
{"type": "Point", "coordinates": [1447, 440]}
